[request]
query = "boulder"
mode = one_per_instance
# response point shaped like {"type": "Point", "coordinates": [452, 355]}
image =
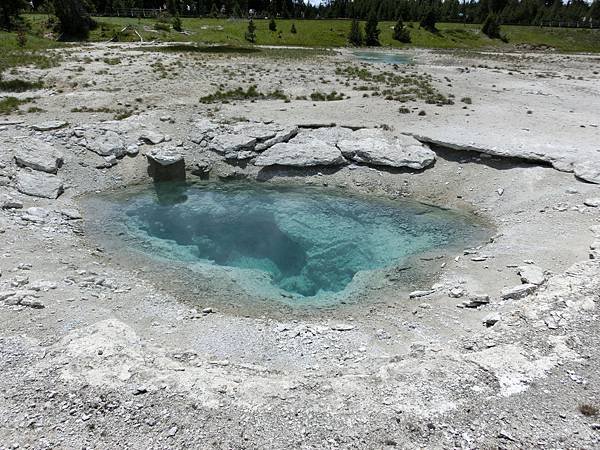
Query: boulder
{"type": "Point", "coordinates": [165, 156]}
{"type": "Point", "coordinates": [373, 147]}
{"type": "Point", "coordinates": [259, 131]}
{"type": "Point", "coordinates": [588, 171]}
{"type": "Point", "coordinates": [166, 164]}
{"type": "Point", "coordinates": [38, 155]}
{"type": "Point", "coordinates": [531, 274]}
{"type": "Point", "coordinates": [312, 153]}
{"type": "Point", "coordinates": [49, 125]}
{"type": "Point", "coordinates": [107, 143]}
{"type": "Point", "coordinates": [39, 184]}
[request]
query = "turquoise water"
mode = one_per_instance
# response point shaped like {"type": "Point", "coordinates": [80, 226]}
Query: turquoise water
{"type": "Point", "coordinates": [307, 242]}
{"type": "Point", "coordinates": [382, 57]}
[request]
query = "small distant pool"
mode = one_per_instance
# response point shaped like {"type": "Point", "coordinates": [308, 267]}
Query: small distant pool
{"type": "Point", "coordinates": [378, 57]}
{"type": "Point", "coordinates": [304, 243]}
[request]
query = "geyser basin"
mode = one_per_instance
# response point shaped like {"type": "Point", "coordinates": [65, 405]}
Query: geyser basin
{"type": "Point", "coordinates": [302, 242]}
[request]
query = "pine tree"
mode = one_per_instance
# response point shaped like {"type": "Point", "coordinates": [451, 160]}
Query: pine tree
{"type": "Point", "coordinates": [401, 33]}
{"type": "Point", "coordinates": [355, 37]}
{"type": "Point", "coordinates": [371, 30]}
{"type": "Point", "coordinates": [272, 24]}
{"type": "Point", "coordinates": [293, 29]}
{"type": "Point", "coordinates": [9, 12]}
{"type": "Point", "coordinates": [177, 26]}
{"type": "Point", "coordinates": [429, 20]}
{"type": "Point", "coordinates": [491, 27]}
{"type": "Point", "coordinates": [74, 18]}
{"type": "Point", "coordinates": [251, 32]}
{"type": "Point", "coordinates": [237, 11]}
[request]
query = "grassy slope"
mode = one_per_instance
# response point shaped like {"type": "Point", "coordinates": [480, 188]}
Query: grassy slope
{"type": "Point", "coordinates": [332, 33]}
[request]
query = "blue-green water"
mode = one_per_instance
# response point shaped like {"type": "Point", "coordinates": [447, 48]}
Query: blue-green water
{"type": "Point", "coordinates": [307, 241]}
{"type": "Point", "coordinates": [382, 57]}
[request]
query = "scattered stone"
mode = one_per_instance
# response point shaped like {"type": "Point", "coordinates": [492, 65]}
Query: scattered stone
{"type": "Point", "coordinates": [518, 292]}
{"type": "Point", "coordinates": [172, 431]}
{"type": "Point", "coordinates": [531, 274]}
{"type": "Point", "coordinates": [38, 155]}
{"type": "Point", "coordinates": [491, 319]}
{"type": "Point", "coordinates": [476, 300]}
{"type": "Point", "coordinates": [39, 184]}
{"type": "Point", "coordinates": [49, 125]}
{"type": "Point", "coordinates": [152, 138]}
{"type": "Point", "coordinates": [105, 143]}
{"type": "Point", "coordinates": [132, 150]}
{"type": "Point", "coordinates": [500, 191]}
{"type": "Point", "coordinates": [417, 294]}
{"type": "Point", "coordinates": [456, 292]}
{"type": "Point", "coordinates": [7, 202]}
{"type": "Point", "coordinates": [314, 153]}
{"type": "Point", "coordinates": [592, 202]}
{"type": "Point", "coordinates": [342, 327]}
{"type": "Point", "coordinates": [71, 214]}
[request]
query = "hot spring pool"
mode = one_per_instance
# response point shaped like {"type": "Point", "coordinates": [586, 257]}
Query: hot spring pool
{"type": "Point", "coordinates": [302, 242]}
{"type": "Point", "coordinates": [382, 57]}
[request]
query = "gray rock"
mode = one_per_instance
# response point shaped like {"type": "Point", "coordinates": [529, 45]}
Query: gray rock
{"type": "Point", "coordinates": [165, 156]}
{"type": "Point", "coordinates": [588, 171]}
{"type": "Point", "coordinates": [373, 147]}
{"type": "Point", "coordinates": [259, 131]}
{"type": "Point", "coordinates": [531, 274]}
{"type": "Point", "coordinates": [282, 136]}
{"type": "Point", "coordinates": [152, 137]}
{"type": "Point", "coordinates": [595, 250]}
{"type": "Point", "coordinates": [313, 153]}
{"type": "Point", "coordinates": [329, 135]}
{"type": "Point", "coordinates": [424, 293]}
{"type": "Point", "coordinates": [491, 319]}
{"type": "Point", "coordinates": [229, 143]}
{"type": "Point", "coordinates": [38, 155]}
{"type": "Point", "coordinates": [7, 202]}
{"type": "Point", "coordinates": [39, 184]}
{"type": "Point", "coordinates": [476, 300]}
{"type": "Point", "coordinates": [70, 214]}
{"type": "Point", "coordinates": [592, 202]}
{"type": "Point", "coordinates": [518, 292]}
{"type": "Point", "coordinates": [49, 125]}
{"type": "Point", "coordinates": [105, 143]}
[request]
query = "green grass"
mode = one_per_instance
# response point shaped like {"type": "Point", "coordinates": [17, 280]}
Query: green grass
{"type": "Point", "coordinates": [333, 33]}
{"type": "Point", "coordinates": [239, 94]}
{"type": "Point", "coordinates": [10, 104]}
{"type": "Point", "coordinates": [33, 54]}
{"type": "Point", "coordinates": [18, 85]}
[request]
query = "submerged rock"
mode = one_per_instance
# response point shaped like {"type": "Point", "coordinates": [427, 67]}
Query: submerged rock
{"type": "Point", "coordinates": [39, 184]}
{"type": "Point", "coordinates": [313, 153]}
{"type": "Point", "coordinates": [38, 155]}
